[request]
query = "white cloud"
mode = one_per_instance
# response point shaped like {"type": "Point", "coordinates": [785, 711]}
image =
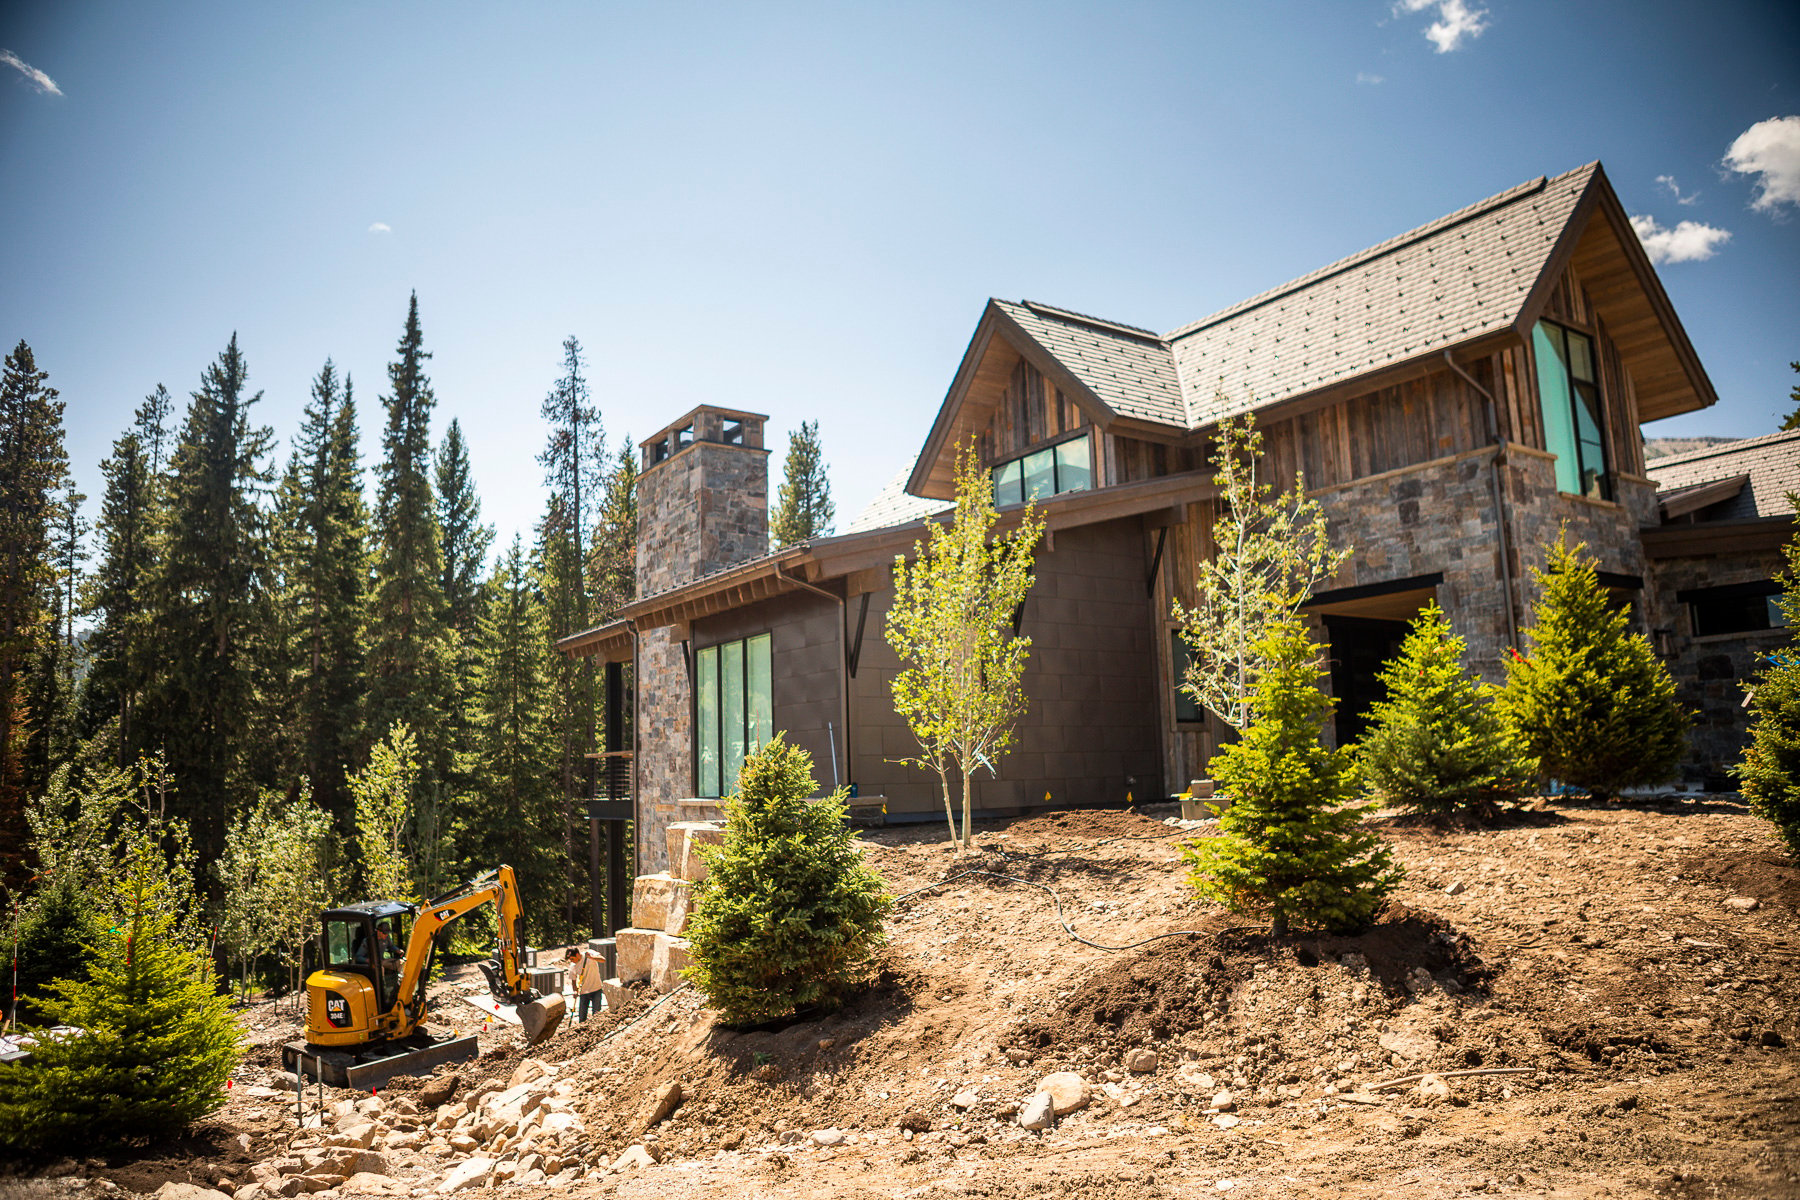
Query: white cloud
{"type": "Point", "coordinates": [1668, 181]}
{"type": "Point", "coordinates": [1456, 22]}
{"type": "Point", "coordinates": [1689, 241]}
{"type": "Point", "coordinates": [1366, 77]}
{"type": "Point", "coordinates": [36, 78]}
{"type": "Point", "coordinates": [1770, 149]}
{"type": "Point", "coordinates": [381, 227]}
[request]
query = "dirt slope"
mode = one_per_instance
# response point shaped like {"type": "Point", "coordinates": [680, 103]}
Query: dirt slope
{"type": "Point", "coordinates": [1652, 1027]}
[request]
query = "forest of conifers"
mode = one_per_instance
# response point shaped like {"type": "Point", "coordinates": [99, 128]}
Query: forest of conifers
{"type": "Point", "coordinates": [256, 640]}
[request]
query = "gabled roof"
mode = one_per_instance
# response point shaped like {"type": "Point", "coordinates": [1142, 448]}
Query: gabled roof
{"type": "Point", "coordinates": [892, 506]}
{"type": "Point", "coordinates": [1477, 276]}
{"type": "Point", "coordinates": [1770, 465]}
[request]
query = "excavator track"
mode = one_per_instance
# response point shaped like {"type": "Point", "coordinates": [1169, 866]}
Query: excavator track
{"type": "Point", "coordinates": [371, 1066]}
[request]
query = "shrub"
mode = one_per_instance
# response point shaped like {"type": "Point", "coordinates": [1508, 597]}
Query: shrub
{"type": "Point", "coordinates": [1770, 772]}
{"type": "Point", "coordinates": [1591, 701]}
{"type": "Point", "coordinates": [55, 926]}
{"type": "Point", "coordinates": [1292, 844]}
{"type": "Point", "coordinates": [788, 916]}
{"type": "Point", "coordinates": [1435, 744]}
{"type": "Point", "coordinates": [157, 1041]}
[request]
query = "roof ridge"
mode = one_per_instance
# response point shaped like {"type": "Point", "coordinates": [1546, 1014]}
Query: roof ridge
{"type": "Point", "coordinates": [1734, 446]}
{"type": "Point", "coordinates": [1380, 249]}
{"type": "Point", "coordinates": [1069, 314]}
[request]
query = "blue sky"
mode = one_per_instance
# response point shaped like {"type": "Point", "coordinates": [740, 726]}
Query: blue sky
{"type": "Point", "coordinates": [800, 209]}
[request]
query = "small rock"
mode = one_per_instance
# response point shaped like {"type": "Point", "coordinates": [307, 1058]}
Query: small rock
{"type": "Point", "coordinates": [188, 1191]}
{"type": "Point", "coordinates": [1017, 1056]}
{"type": "Point", "coordinates": [1225, 1120]}
{"type": "Point", "coordinates": [1432, 1089]}
{"type": "Point", "coordinates": [242, 1142]}
{"type": "Point", "coordinates": [964, 1100]}
{"type": "Point", "coordinates": [638, 1156]}
{"type": "Point", "coordinates": [1067, 1090]}
{"type": "Point", "coordinates": [1743, 903]}
{"type": "Point", "coordinates": [827, 1043]}
{"type": "Point", "coordinates": [1772, 1039]}
{"type": "Point", "coordinates": [664, 1101]}
{"type": "Point", "coordinates": [1039, 1112]}
{"type": "Point", "coordinates": [1222, 1102]}
{"type": "Point", "coordinates": [438, 1090]}
{"type": "Point", "coordinates": [827, 1137]}
{"type": "Point", "coordinates": [526, 1071]}
{"type": "Point", "coordinates": [1142, 1061]}
{"type": "Point", "coordinates": [1456, 889]}
{"type": "Point", "coordinates": [913, 1122]}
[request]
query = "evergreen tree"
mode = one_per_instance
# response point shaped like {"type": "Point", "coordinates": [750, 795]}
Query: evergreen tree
{"type": "Point", "coordinates": [789, 916]}
{"type": "Point", "coordinates": [33, 465]}
{"type": "Point", "coordinates": [516, 816]}
{"type": "Point", "coordinates": [615, 547]}
{"type": "Point", "coordinates": [53, 695]}
{"type": "Point", "coordinates": [158, 1042]}
{"type": "Point", "coordinates": [466, 541]}
{"type": "Point", "coordinates": [574, 462]}
{"type": "Point", "coordinates": [323, 549]}
{"type": "Point", "coordinates": [804, 509]}
{"type": "Point", "coordinates": [1591, 701]}
{"type": "Point", "coordinates": [207, 599]}
{"type": "Point", "coordinates": [1292, 844]}
{"type": "Point", "coordinates": [118, 644]}
{"type": "Point", "coordinates": [55, 927]}
{"type": "Point", "coordinates": [411, 647]}
{"type": "Point", "coordinates": [1771, 768]}
{"type": "Point", "coordinates": [1793, 418]}
{"type": "Point", "coordinates": [1435, 743]}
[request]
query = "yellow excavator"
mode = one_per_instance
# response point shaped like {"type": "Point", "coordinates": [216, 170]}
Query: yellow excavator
{"type": "Point", "coordinates": [365, 1007]}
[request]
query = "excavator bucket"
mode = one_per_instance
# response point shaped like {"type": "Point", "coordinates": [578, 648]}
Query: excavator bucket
{"type": "Point", "coordinates": [539, 1018]}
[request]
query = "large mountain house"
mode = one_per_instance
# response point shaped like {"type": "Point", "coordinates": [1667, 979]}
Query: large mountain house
{"type": "Point", "coordinates": [1453, 396]}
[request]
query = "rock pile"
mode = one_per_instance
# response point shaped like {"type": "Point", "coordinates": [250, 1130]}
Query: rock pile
{"type": "Point", "coordinates": [652, 948]}
{"type": "Point", "coordinates": [524, 1129]}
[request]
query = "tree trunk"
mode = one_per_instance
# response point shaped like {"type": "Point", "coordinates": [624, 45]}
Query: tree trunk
{"type": "Point", "coordinates": [966, 790]}
{"type": "Point", "coordinates": [949, 811]}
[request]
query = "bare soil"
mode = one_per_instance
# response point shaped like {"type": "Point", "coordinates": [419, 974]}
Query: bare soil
{"type": "Point", "coordinates": [1650, 1028]}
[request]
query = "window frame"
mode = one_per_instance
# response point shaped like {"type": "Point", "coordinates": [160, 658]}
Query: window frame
{"type": "Point", "coordinates": [724, 738]}
{"type": "Point", "coordinates": [1049, 449]}
{"type": "Point", "coordinates": [1563, 436]}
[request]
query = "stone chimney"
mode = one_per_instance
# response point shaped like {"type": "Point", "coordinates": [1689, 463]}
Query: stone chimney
{"type": "Point", "coordinates": [703, 505]}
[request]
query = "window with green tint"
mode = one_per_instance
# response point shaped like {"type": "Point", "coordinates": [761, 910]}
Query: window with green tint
{"type": "Point", "coordinates": [734, 709]}
{"type": "Point", "coordinates": [1064, 467]}
{"type": "Point", "coordinates": [1569, 396]}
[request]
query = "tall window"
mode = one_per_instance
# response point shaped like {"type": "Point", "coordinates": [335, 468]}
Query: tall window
{"type": "Point", "coordinates": [1569, 392]}
{"type": "Point", "coordinates": [1064, 467]}
{"type": "Point", "coordinates": [733, 710]}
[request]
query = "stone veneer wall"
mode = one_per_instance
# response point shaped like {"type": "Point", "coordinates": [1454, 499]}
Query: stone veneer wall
{"type": "Point", "coordinates": [665, 719]}
{"type": "Point", "coordinates": [1710, 673]}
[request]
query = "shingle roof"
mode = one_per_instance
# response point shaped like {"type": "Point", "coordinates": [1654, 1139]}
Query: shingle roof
{"type": "Point", "coordinates": [1447, 282]}
{"type": "Point", "coordinates": [1772, 462]}
{"type": "Point", "coordinates": [1130, 369]}
{"type": "Point", "coordinates": [893, 505]}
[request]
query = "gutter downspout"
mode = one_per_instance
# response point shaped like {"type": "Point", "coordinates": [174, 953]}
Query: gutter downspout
{"type": "Point", "coordinates": [1493, 420]}
{"type": "Point", "coordinates": [843, 654]}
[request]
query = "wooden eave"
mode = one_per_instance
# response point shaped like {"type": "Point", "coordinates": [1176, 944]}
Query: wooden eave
{"type": "Point", "coordinates": [1623, 286]}
{"type": "Point", "coordinates": [1705, 539]}
{"type": "Point", "coordinates": [981, 380]}
{"type": "Point", "coordinates": [610, 642]}
{"type": "Point", "coordinates": [1692, 499]}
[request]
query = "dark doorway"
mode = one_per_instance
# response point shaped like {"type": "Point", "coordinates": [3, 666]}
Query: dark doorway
{"type": "Point", "coordinates": [1360, 647]}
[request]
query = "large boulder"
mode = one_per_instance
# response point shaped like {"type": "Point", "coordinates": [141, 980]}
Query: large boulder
{"type": "Point", "coordinates": [636, 948]}
{"type": "Point", "coordinates": [1068, 1091]}
{"type": "Point", "coordinates": [669, 956]}
{"type": "Point", "coordinates": [469, 1173]}
{"type": "Point", "coordinates": [685, 840]}
{"type": "Point", "coordinates": [650, 899]}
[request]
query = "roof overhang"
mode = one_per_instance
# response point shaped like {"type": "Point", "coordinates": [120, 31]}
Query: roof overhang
{"type": "Point", "coordinates": [1706, 539]}
{"type": "Point", "coordinates": [1682, 501]}
{"type": "Point", "coordinates": [1599, 243]}
{"type": "Point", "coordinates": [826, 564]}
{"type": "Point", "coordinates": [998, 344]}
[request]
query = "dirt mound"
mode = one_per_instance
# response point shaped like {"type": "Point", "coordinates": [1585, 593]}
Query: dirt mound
{"type": "Point", "coordinates": [1771, 877]}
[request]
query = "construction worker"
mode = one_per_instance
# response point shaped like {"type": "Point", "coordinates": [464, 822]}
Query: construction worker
{"type": "Point", "coordinates": [587, 968]}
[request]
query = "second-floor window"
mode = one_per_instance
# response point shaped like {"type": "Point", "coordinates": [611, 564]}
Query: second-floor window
{"type": "Point", "coordinates": [1574, 422]}
{"type": "Point", "coordinates": [733, 710]}
{"type": "Point", "coordinates": [1064, 467]}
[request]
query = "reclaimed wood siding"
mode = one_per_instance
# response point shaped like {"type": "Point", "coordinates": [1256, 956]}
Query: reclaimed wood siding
{"type": "Point", "coordinates": [1032, 410]}
{"type": "Point", "coordinates": [1417, 421]}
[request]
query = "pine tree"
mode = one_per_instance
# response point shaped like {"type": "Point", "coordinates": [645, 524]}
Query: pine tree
{"type": "Point", "coordinates": [1771, 768]}
{"type": "Point", "coordinates": [324, 524]}
{"type": "Point", "coordinates": [55, 926]}
{"type": "Point", "coordinates": [1435, 744]}
{"type": "Point", "coordinates": [615, 548]}
{"type": "Point", "coordinates": [33, 465]}
{"type": "Point", "coordinates": [1590, 701]}
{"type": "Point", "coordinates": [804, 509]}
{"type": "Point", "coordinates": [158, 1042]}
{"type": "Point", "coordinates": [207, 599]}
{"type": "Point", "coordinates": [574, 462]}
{"type": "Point", "coordinates": [516, 814]}
{"type": "Point", "coordinates": [466, 541]}
{"type": "Point", "coordinates": [119, 643]}
{"type": "Point", "coordinates": [1291, 844]}
{"type": "Point", "coordinates": [412, 649]}
{"type": "Point", "coordinates": [53, 696]}
{"type": "Point", "coordinates": [788, 917]}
